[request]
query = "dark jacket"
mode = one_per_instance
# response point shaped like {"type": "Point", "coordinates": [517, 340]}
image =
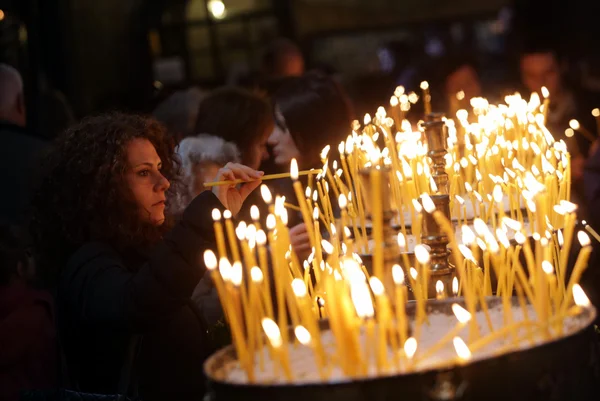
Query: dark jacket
{"type": "Point", "coordinates": [19, 152]}
{"type": "Point", "coordinates": [27, 341]}
{"type": "Point", "coordinates": [105, 297]}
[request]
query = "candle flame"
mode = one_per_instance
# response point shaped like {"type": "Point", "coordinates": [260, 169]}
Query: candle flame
{"type": "Point", "coordinates": [227, 214]}
{"type": "Point", "coordinates": [361, 298]}
{"type": "Point", "coordinates": [428, 204]}
{"type": "Point", "coordinates": [272, 331]}
{"type": "Point", "coordinates": [240, 230]}
{"type": "Point", "coordinates": [225, 269]}
{"type": "Point", "coordinates": [579, 295]}
{"type": "Point", "coordinates": [410, 347]}
{"type": "Point", "coordinates": [462, 350]}
{"type": "Point", "coordinates": [413, 273]}
{"type": "Point", "coordinates": [498, 193]}
{"type": "Point", "coordinates": [398, 274]}
{"type": "Point", "coordinates": [417, 206]}
{"type": "Point", "coordinates": [256, 274]}
{"type": "Point", "coordinates": [460, 95]}
{"type": "Point", "coordinates": [367, 119]}
{"type": "Point", "coordinates": [315, 213]}
{"type": "Point", "coordinates": [583, 238]}
{"type": "Point", "coordinates": [401, 240]}
{"type": "Point", "coordinates": [574, 124]}
{"type": "Point", "coordinates": [569, 132]}
{"type": "Point", "coordinates": [216, 214]}
{"type": "Point", "coordinates": [266, 194]}
{"type": "Point", "coordinates": [547, 267]}
{"type": "Point", "coordinates": [376, 286]}
{"type": "Point", "coordinates": [261, 237]}
{"type": "Point", "coordinates": [468, 236]}
{"type": "Point", "coordinates": [399, 91]}
{"type": "Point", "coordinates": [236, 274]}
{"type": "Point", "coordinates": [439, 287]}
{"type": "Point", "coordinates": [271, 222]}
{"type": "Point", "coordinates": [461, 313]}
{"type": "Point", "coordinates": [325, 152]}
{"type": "Point", "coordinates": [254, 213]}
{"type": "Point", "coordinates": [343, 202]}
{"type": "Point", "coordinates": [294, 169]}
{"type": "Point", "coordinates": [596, 112]}
{"type": "Point", "coordinates": [327, 247]}
{"type": "Point", "coordinates": [545, 92]}
{"type": "Point", "coordinates": [455, 286]}
{"type": "Point", "coordinates": [422, 254]}
{"type": "Point", "coordinates": [302, 335]}
{"type": "Point", "coordinates": [299, 287]}
{"type": "Point", "coordinates": [424, 85]}
{"type": "Point", "coordinates": [394, 101]}
{"type": "Point", "coordinates": [210, 259]}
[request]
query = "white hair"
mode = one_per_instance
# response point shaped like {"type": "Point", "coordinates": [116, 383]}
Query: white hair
{"type": "Point", "coordinates": [201, 149]}
{"type": "Point", "coordinates": [11, 85]}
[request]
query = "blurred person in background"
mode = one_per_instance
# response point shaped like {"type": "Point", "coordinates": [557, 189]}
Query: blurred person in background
{"type": "Point", "coordinates": [245, 119]}
{"type": "Point", "coordinates": [28, 352]}
{"type": "Point", "coordinates": [179, 112]}
{"type": "Point", "coordinates": [19, 151]}
{"type": "Point", "coordinates": [542, 66]}
{"type": "Point", "coordinates": [311, 112]}
{"type": "Point", "coordinates": [282, 58]}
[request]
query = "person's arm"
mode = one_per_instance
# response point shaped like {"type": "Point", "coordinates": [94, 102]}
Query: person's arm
{"type": "Point", "coordinates": [101, 290]}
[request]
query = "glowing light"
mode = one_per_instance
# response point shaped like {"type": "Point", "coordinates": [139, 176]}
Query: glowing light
{"type": "Point", "coordinates": [261, 237]}
{"type": "Point", "coordinates": [461, 349]}
{"type": "Point", "coordinates": [398, 274]}
{"type": "Point", "coordinates": [574, 124]}
{"type": "Point", "coordinates": [225, 269]}
{"type": "Point", "coordinates": [299, 287]}
{"type": "Point", "coordinates": [376, 286]}
{"type": "Point", "coordinates": [421, 254]}
{"type": "Point", "coordinates": [439, 287]}
{"type": "Point", "coordinates": [271, 222]}
{"type": "Point", "coordinates": [256, 274]}
{"type": "Point", "coordinates": [410, 347]}
{"type": "Point", "coordinates": [428, 204]}
{"type": "Point", "coordinates": [569, 132]}
{"type": "Point", "coordinates": [254, 213]}
{"type": "Point", "coordinates": [596, 112]}
{"type": "Point", "coordinates": [401, 240]}
{"type": "Point", "coordinates": [236, 274]}
{"type": "Point", "coordinates": [327, 247]}
{"type": "Point", "coordinates": [343, 202]}
{"type": "Point", "coordinates": [294, 169]}
{"type": "Point", "coordinates": [216, 214]}
{"type": "Point", "coordinates": [583, 238]}
{"type": "Point", "coordinates": [272, 331]}
{"type": "Point", "coordinates": [217, 9]}
{"type": "Point", "coordinates": [545, 92]}
{"type": "Point", "coordinates": [210, 259]}
{"type": "Point", "coordinates": [266, 194]}
{"type": "Point", "coordinates": [547, 267]}
{"type": "Point", "coordinates": [302, 335]}
{"type": "Point", "coordinates": [361, 298]}
{"type": "Point", "coordinates": [424, 85]}
{"type": "Point", "coordinates": [455, 286]}
{"type": "Point", "coordinates": [579, 295]}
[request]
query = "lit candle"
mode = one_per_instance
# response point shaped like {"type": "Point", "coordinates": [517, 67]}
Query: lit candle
{"type": "Point", "coordinates": [219, 235]}
{"type": "Point", "coordinates": [231, 236]}
{"type": "Point", "coordinates": [426, 96]}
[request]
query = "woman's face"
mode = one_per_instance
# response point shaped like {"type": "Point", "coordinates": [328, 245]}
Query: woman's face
{"type": "Point", "coordinates": [258, 152]}
{"type": "Point", "coordinates": [284, 147]}
{"type": "Point", "coordinates": [145, 180]}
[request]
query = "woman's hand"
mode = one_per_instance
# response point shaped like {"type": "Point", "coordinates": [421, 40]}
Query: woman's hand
{"type": "Point", "coordinates": [231, 196]}
{"type": "Point", "coordinates": [300, 242]}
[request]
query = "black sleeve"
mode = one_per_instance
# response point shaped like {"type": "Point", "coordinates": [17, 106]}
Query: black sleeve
{"type": "Point", "coordinates": [99, 289]}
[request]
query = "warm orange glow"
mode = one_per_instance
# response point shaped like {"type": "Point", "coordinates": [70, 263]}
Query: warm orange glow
{"type": "Point", "coordinates": [272, 331]}
{"type": "Point", "coordinates": [210, 259]}
{"type": "Point", "coordinates": [461, 349]}
{"type": "Point", "coordinates": [410, 347]}
{"type": "Point", "coordinates": [461, 313]}
{"type": "Point", "coordinates": [398, 274]}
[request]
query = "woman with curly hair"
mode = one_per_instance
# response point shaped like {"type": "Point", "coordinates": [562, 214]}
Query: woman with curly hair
{"type": "Point", "coordinates": [124, 272]}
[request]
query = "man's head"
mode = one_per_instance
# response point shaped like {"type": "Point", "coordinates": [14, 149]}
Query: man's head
{"type": "Point", "coordinates": [12, 102]}
{"type": "Point", "coordinates": [541, 67]}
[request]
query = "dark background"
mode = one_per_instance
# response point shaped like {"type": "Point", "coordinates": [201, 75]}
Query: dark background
{"type": "Point", "coordinates": [126, 54]}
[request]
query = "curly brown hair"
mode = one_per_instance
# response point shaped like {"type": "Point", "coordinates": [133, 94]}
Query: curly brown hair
{"type": "Point", "coordinates": [83, 197]}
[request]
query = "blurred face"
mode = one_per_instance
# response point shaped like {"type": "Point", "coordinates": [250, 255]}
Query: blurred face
{"type": "Point", "coordinates": [145, 180]}
{"type": "Point", "coordinates": [284, 147]}
{"type": "Point", "coordinates": [463, 79]}
{"type": "Point", "coordinates": [291, 64]}
{"type": "Point", "coordinates": [541, 69]}
{"type": "Point", "coordinates": [258, 152]}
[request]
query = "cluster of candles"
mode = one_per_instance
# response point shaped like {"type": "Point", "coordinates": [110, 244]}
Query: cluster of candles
{"type": "Point", "coordinates": [504, 151]}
